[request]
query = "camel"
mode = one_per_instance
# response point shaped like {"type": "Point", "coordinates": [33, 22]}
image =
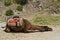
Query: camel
{"type": "Point", "coordinates": [24, 25]}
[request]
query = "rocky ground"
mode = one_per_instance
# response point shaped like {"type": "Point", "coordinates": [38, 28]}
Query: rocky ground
{"type": "Point", "coordinates": [53, 35]}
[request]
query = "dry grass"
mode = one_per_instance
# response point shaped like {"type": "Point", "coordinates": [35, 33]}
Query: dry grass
{"type": "Point", "coordinates": [47, 20]}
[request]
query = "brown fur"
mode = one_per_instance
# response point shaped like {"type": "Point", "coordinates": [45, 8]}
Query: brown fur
{"type": "Point", "coordinates": [27, 26]}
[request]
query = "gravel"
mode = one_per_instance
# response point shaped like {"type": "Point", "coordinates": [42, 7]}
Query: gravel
{"type": "Point", "coordinates": [51, 35]}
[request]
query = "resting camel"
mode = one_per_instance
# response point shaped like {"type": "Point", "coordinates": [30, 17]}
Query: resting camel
{"type": "Point", "coordinates": [17, 24]}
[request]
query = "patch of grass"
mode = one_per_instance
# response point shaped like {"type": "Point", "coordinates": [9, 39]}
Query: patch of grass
{"type": "Point", "coordinates": [7, 2]}
{"type": "Point", "coordinates": [9, 12]}
{"type": "Point", "coordinates": [47, 20]}
{"type": "Point", "coordinates": [19, 8]}
{"type": "Point", "coordinates": [22, 2]}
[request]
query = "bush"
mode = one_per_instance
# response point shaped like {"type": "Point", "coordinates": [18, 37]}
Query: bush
{"type": "Point", "coordinates": [7, 2]}
{"type": "Point", "coordinates": [22, 2]}
{"type": "Point", "coordinates": [19, 8]}
{"type": "Point", "coordinates": [9, 12]}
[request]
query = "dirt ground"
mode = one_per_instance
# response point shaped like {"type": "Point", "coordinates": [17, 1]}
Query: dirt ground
{"type": "Point", "coordinates": [52, 35]}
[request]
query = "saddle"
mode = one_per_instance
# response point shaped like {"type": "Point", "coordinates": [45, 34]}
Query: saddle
{"type": "Point", "coordinates": [13, 22]}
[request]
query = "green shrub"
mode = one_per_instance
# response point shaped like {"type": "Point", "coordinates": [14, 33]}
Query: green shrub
{"type": "Point", "coordinates": [7, 2]}
{"type": "Point", "coordinates": [22, 2]}
{"type": "Point", "coordinates": [9, 12]}
{"type": "Point", "coordinates": [19, 8]}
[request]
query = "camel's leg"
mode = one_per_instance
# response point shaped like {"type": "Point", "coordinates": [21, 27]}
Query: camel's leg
{"type": "Point", "coordinates": [44, 28]}
{"type": "Point", "coordinates": [48, 29]}
{"type": "Point", "coordinates": [25, 26]}
{"type": "Point", "coordinates": [41, 28]}
{"type": "Point", "coordinates": [25, 31]}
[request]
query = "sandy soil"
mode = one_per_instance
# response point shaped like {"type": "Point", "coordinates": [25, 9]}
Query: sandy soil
{"type": "Point", "coordinates": [53, 35]}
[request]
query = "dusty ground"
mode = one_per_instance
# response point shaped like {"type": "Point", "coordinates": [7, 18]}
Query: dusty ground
{"type": "Point", "coordinates": [53, 35]}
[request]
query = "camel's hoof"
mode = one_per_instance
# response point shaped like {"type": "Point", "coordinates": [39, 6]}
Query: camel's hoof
{"type": "Point", "coordinates": [50, 29]}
